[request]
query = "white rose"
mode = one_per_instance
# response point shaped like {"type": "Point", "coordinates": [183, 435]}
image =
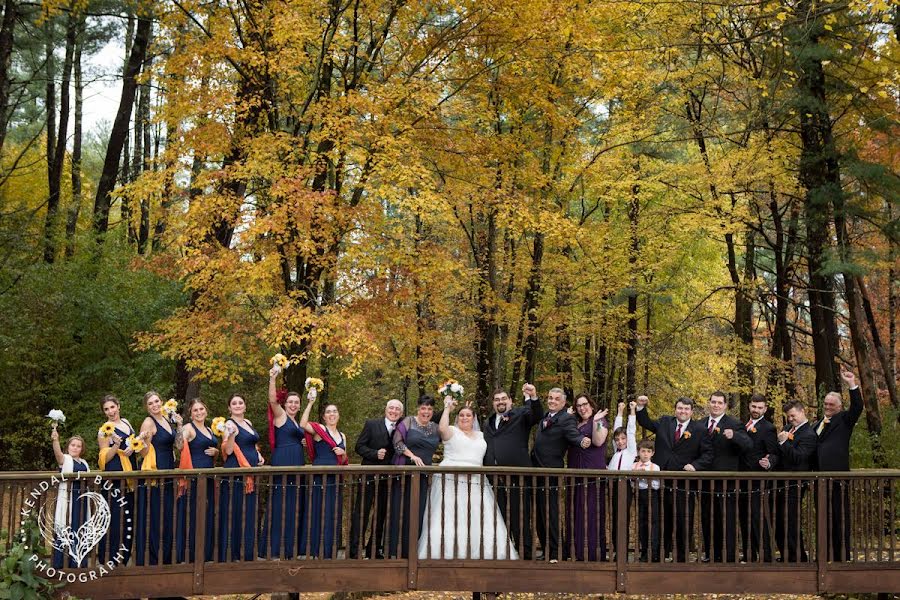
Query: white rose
{"type": "Point", "coordinates": [57, 415]}
{"type": "Point", "coordinates": [456, 388]}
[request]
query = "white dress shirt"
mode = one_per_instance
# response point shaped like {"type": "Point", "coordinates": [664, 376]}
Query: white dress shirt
{"type": "Point", "coordinates": [622, 460]}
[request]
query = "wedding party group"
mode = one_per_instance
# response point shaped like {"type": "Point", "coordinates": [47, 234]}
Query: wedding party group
{"type": "Point", "coordinates": [464, 515]}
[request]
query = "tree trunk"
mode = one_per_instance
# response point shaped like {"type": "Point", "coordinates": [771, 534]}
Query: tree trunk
{"type": "Point", "coordinates": [50, 106]}
{"type": "Point", "coordinates": [7, 29]}
{"type": "Point", "coordinates": [634, 208]}
{"type": "Point", "coordinates": [598, 379]}
{"type": "Point", "coordinates": [883, 357]}
{"type": "Point", "coordinates": [143, 116]}
{"type": "Point", "coordinates": [526, 338]}
{"type": "Point", "coordinates": [119, 131]}
{"type": "Point", "coordinates": [124, 174]}
{"type": "Point", "coordinates": [484, 255]}
{"type": "Point", "coordinates": [75, 207]}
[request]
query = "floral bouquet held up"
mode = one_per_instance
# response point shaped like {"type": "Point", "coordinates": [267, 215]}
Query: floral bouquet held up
{"type": "Point", "coordinates": [452, 388]}
{"type": "Point", "coordinates": [313, 387]}
{"type": "Point", "coordinates": [170, 408]}
{"type": "Point", "coordinates": [280, 362]}
{"type": "Point", "coordinates": [218, 426]}
{"type": "Point", "coordinates": [57, 417]}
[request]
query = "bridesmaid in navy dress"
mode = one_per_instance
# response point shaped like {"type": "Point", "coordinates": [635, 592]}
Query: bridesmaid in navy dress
{"type": "Point", "coordinates": [329, 448]}
{"type": "Point", "coordinates": [587, 503]}
{"type": "Point", "coordinates": [200, 453]}
{"type": "Point", "coordinates": [237, 498]}
{"type": "Point", "coordinates": [287, 451]}
{"type": "Point", "coordinates": [163, 438]}
{"type": "Point", "coordinates": [70, 510]}
{"type": "Point", "coordinates": [116, 456]}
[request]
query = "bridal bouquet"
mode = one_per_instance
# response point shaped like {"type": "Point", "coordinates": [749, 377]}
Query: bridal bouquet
{"type": "Point", "coordinates": [170, 408]}
{"type": "Point", "coordinates": [452, 388]}
{"type": "Point", "coordinates": [56, 416]}
{"type": "Point", "coordinates": [218, 426]}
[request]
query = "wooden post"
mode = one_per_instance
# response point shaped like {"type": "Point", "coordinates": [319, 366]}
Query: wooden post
{"type": "Point", "coordinates": [199, 533]}
{"type": "Point", "coordinates": [822, 541]}
{"type": "Point", "coordinates": [621, 532]}
{"type": "Point", "coordinates": [412, 555]}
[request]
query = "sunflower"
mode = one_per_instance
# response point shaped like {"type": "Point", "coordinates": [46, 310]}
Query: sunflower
{"type": "Point", "coordinates": [107, 429]}
{"type": "Point", "coordinates": [135, 443]}
{"type": "Point", "coordinates": [218, 426]}
{"type": "Point", "coordinates": [281, 360]}
{"type": "Point", "coordinates": [171, 405]}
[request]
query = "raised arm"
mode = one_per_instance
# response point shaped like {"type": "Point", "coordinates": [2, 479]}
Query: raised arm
{"type": "Point", "coordinates": [304, 419]}
{"type": "Point", "coordinates": [535, 410]}
{"type": "Point", "coordinates": [599, 431]}
{"type": "Point", "coordinates": [57, 451]}
{"type": "Point", "coordinates": [277, 409]}
{"type": "Point", "coordinates": [631, 429]}
{"type": "Point", "coordinates": [643, 417]}
{"type": "Point", "coordinates": [856, 399]}
{"type": "Point", "coordinates": [444, 423]}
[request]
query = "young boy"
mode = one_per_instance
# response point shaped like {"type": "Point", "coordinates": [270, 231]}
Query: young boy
{"type": "Point", "coordinates": [648, 503]}
{"type": "Point", "coordinates": [625, 446]}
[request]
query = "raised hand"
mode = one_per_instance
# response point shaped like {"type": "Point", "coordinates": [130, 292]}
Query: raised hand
{"type": "Point", "coordinates": [177, 419]}
{"type": "Point", "coordinates": [311, 395]}
{"type": "Point", "coordinates": [274, 371]}
{"type": "Point", "coordinates": [642, 401]}
{"type": "Point", "coordinates": [601, 415]}
{"type": "Point", "coordinates": [848, 377]}
{"type": "Point", "coordinates": [632, 406]}
{"type": "Point", "coordinates": [529, 391]}
{"type": "Point", "coordinates": [449, 403]}
{"type": "Point", "coordinates": [689, 467]}
{"type": "Point", "coordinates": [621, 408]}
{"type": "Point", "coordinates": [54, 435]}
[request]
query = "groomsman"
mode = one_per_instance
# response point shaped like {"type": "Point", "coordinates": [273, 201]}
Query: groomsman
{"type": "Point", "coordinates": [796, 449]}
{"type": "Point", "coordinates": [556, 432]}
{"type": "Point", "coordinates": [506, 432]}
{"type": "Point", "coordinates": [833, 454]}
{"type": "Point", "coordinates": [718, 499]}
{"type": "Point", "coordinates": [762, 456]}
{"type": "Point", "coordinates": [682, 444]}
{"type": "Point", "coordinates": [376, 447]}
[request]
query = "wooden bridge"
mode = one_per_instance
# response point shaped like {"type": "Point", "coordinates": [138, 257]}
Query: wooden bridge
{"type": "Point", "coordinates": [872, 563]}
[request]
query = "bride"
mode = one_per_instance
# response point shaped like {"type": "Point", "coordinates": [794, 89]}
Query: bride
{"type": "Point", "coordinates": [454, 525]}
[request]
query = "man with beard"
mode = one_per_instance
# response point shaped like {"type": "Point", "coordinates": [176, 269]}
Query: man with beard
{"type": "Point", "coordinates": [757, 504]}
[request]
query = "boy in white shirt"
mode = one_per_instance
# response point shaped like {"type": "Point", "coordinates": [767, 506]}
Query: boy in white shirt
{"type": "Point", "coordinates": [648, 503]}
{"type": "Point", "coordinates": [625, 446]}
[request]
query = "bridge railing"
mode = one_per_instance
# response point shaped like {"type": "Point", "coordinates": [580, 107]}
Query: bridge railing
{"type": "Point", "coordinates": [357, 528]}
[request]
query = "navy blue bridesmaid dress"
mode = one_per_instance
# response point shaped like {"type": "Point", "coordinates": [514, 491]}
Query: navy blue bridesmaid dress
{"type": "Point", "coordinates": [161, 493]}
{"type": "Point", "coordinates": [325, 505]}
{"type": "Point", "coordinates": [237, 509]}
{"type": "Point", "coordinates": [77, 513]}
{"type": "Point", "coordinates": [286, 501]}
{"type": "Point", "coordinates": [187, 503]}
{"type": "Point", "coordinates": [121, 506]}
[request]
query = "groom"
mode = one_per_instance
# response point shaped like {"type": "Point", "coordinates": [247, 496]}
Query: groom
{"type": "Point", "coordinates": [557, 431]}
{"type": "Point", "coordinates": [506, 432]}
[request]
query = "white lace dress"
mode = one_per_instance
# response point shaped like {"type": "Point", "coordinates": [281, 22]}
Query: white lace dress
{"type": "Point", "coordinates": [462, 519]}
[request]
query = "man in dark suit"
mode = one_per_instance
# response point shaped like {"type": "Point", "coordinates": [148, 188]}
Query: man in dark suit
{"type": "Point", "coordinates": [796, 449]}
{"type": "Point", "coordinates": [833, 454]}
{"type": "Point", "coordinates": [506, 432]}
{"type": "Point", "coordinates": [682, 444]}
{"type": "Point", "coordinates": [718, 499]}
{"type": "Point", "coordinates": [762, 456]}
{"type": "Point", "coordinates": [375, 447]}
{"type": "Point", "coordinates": [556, 432]}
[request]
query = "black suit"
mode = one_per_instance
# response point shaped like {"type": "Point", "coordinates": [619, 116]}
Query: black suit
{"type": "Point", "coordinates": [373, 493]}
{"type": "Point", "coordinates": [671, 455]}
{"type": "Point", "coordinates": [756, 533]}
{"type": "Point", "coordinates": [507, 446]}
{"type": "Point", "coordinates": [554, 436]}
{"type": "Point", "coordinates": [797, 455]}
{"type": "Point", "coordinates": [833, 454]}
{"type": "Point", "coordinates": [718, 499]}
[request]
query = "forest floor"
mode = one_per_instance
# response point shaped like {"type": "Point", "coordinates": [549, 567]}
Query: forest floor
{"type": "Point", "coordinates": [522, 596]}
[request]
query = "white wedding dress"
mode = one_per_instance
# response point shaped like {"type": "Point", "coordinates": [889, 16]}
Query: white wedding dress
{"type": "Point", "coordinates": [454, 525]}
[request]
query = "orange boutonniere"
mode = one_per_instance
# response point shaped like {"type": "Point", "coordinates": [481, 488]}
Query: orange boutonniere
{"type": "Point", "coordinates": [753, 430]}
{"type": "Point", "coordinates": [716, 430]}
{"type": "Point", "coordinates": [791, 436]}
{"type": "Point", "coordinates": [686, 435]}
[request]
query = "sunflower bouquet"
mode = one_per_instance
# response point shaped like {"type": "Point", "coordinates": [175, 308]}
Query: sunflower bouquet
{"type": "Point", "coordinates": [314, 385]}
{"type": "Point", "coordinates": [218, 426]}
{"type": "Point", "coordinates": [135, 443]}
{"type": "Point", "coordinates": [170, 408]}
{"type": "Point", "coordinates": [452, 388]}
{"type": "Point", "coordinates": [280, 361]}
{"type": "Point", "coordinates": [107, 429]}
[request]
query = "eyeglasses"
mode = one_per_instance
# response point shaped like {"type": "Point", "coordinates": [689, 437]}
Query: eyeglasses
{"type": "Point", "coordinates": [581, 405]}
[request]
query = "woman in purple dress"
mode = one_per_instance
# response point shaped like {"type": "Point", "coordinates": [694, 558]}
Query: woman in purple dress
{"type": "Point", "coordinates": [586, 500]}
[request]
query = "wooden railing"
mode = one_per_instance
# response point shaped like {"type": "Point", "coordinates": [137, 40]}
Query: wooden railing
{"type": "Point", "coordinates": [306, 545]}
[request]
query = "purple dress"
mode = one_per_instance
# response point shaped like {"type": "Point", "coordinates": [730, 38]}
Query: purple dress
{"type": "Point", "coordinates": [586, 502]}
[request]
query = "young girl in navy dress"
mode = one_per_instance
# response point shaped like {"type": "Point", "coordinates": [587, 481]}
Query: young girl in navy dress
{"type": "Point", "coordinates": [328, 447]}
{"type": "Point", "coordinates": [70, 510]}
{"type": "Point", "coordinates": [237, 498]}
{"type": "Point", "coordinates": [200, 453]}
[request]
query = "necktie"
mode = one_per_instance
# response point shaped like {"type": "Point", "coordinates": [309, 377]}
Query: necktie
{"type": "Point", "coordinates": [621, 456]}
{"type": "Point", "coordinates": [712, 424]}
{"type": "Point", "coordinates": [749, 425]}
{"type": "Point", "coordinates": [821, 426]}
{"type": "Point", "coordinates": [678, 433]}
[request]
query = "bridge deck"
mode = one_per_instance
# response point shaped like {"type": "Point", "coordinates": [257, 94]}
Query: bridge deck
{"type": "Point", "coordinates": [872, 563]}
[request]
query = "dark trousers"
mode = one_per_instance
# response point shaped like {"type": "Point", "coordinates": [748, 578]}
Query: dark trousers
{"type": "Point", "coordinates": [839, 521]}
{"type": "Point", "coordinates": [371, 499]}
{"type": "Point", "coordinates": [547, 517]}
{"type": "Point", "coordinates": [718, 517]}
{"type": "Point", "coordinates": [788, 530]}
{"type": "Point", "coordinates": [679, 518]}
{"type": "Point", "coordinates": [648, 524]}
{"type": "Point", "coordinates": [401, 513]}
{"type": "Point", "coordinates": [757, 507]}
{"type": "Point", "coordinates": [514, 500]}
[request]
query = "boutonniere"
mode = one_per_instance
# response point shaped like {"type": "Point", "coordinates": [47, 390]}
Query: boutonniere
{"type": "Point", "coordinates": [686, 435]}
{"type": "Point", "coordinates": [716, 430]}
{"type": "Point", "coordinates": [547, 423]}
{"type": "Point", "coordinates": [753, 430]}
{"type": "Point", "coordinates": [504, 418]}
{"type": "Point", "coordinates": [791, 436]}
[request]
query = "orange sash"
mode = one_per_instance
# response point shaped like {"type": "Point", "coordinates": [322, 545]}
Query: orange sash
{"type": "Point", "coordinates": [242, 461]}
{"type": "Point", "coordinates": [185, 463]}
